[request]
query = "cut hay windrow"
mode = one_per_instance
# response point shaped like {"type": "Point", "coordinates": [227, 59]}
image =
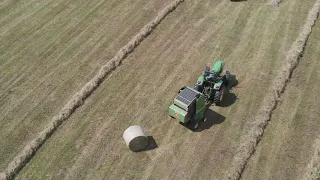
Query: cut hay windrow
{"type": "Point", "coordinates": [313, 169]}
{"type": "Point", "coordinates": [78, 98]}
{"type": "Point", "coordinates": [275, 3]}
{"type": "Point", "coordinates": [250, 141]}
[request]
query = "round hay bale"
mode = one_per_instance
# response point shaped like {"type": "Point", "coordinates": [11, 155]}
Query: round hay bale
{"type": "Point", "coordinates": [135, 138]}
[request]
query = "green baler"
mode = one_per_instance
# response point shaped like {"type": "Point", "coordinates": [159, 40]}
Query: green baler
{"type": "Point", "coordinates": [188, 107]}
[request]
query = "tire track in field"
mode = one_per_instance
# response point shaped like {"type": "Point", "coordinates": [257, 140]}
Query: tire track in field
{"type": "Point", "coordinates": [251, 140]}
{"type": "Point", "coordinates": [78, 99]}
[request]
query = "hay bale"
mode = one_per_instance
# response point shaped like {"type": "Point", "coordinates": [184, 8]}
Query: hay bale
{"type": "Point", "coordinates": [135, 138]}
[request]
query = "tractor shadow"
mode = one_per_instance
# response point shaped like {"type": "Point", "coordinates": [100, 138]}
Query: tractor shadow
{"type": "Point", "coordinates": [230, 98]}
{"type": "Point", "coordinates": [213, 118]}
{"type": "Point", "coordinates": [233, 81]}
{"type": "Point", "coordinates": [152, 144]}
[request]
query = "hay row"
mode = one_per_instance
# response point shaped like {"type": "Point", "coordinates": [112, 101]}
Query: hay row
{"type": "Point", "coordinates": [250, 141]}
{"type": "Point", "coordinates": [313, 169]}
{"type": "Point", "coordinates": [78, 98]}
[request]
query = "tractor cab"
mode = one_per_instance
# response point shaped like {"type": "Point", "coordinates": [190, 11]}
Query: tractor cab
{"type": "Point", "coordinates": [211, 83]}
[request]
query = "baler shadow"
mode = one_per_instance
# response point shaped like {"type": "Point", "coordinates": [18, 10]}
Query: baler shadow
{"type": "Point", "coordinates": [212, 118]}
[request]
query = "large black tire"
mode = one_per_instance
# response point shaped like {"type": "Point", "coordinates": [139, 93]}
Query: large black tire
{"type": "Point", "coordinates": [218, 97]}
{"type": "Point", "coordinates": [228, 76]}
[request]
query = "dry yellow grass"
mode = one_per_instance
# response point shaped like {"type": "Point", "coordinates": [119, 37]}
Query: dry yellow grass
{"type": "Point", "coordinates": [250, 141]}
{"type": "Point", "coordinates": [78, 99]}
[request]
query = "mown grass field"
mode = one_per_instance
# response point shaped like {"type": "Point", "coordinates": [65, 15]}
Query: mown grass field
{"type": "Point", "coordinates": [50, 49]}
{"type": "Point", "coordinates": [287, 146]}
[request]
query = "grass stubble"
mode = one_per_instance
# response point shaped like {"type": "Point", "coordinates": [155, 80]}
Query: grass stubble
{"type": "Point", "coordinates": [249, 141]}
{"type": "Point", "coordinates": [79, 97]}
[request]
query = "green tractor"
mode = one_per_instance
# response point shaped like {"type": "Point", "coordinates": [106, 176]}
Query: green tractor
{"type": "Point", "coordinates": [190, 104]}
{"type": "Point", "coordinates": [212, 84]}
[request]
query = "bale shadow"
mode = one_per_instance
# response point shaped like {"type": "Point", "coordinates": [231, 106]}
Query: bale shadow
{"type": "Point", "coordinates": [152, 144]}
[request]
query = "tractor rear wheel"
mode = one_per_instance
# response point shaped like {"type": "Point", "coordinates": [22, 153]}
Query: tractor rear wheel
{"type": "Point", "coordinates": [228, 76]}
{"type": "Point", "coordinates": [218, 97]}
